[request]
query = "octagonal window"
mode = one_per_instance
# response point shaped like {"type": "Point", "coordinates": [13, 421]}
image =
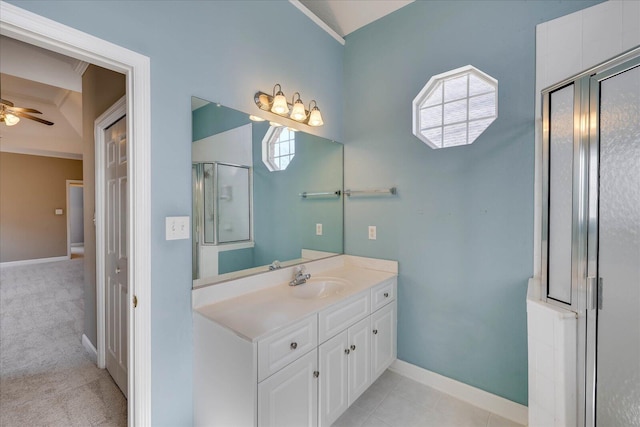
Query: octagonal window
{"type": "Point", "coordinates": [278, 148]}
{"type": "Point", "coordinates": [455, 107]}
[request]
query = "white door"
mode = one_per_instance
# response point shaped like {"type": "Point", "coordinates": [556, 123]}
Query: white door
{"type": "Point", "coordinates": [334, 364]}
{"type": "Point", "coordinates": [359, 359]}
{"type": "Point", "coordinates": [289, 398]}
{"type": "Point", "coordinates": [383, 348]}
{"type": "Point", "coordinates": [116, 264]}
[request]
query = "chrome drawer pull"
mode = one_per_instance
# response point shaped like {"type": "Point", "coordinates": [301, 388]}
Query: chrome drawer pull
{"type": "Point", "coordinates": [294, 345]}
{"type": "Point", "coordinates": [386, 294]}
{"type": "Point", "coordinates": [353, 347]}
{"type": "Point", "coordinates": [375, 332]}
{"type": "Point", "coordinates": [347, 351]}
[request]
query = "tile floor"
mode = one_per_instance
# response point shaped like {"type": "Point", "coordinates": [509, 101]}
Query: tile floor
{"type": "Point", "coordinates": [394, 400]}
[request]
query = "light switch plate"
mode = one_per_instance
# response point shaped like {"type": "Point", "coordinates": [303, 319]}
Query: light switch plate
{"type": "Point", "coordinates": [59, 212]}
{"type": "Point", "coordinates": [318, 229]}
{"type": "Point", "coordinates": [372, 232]}
{"type": "Point", "coordinates": [177, 227]}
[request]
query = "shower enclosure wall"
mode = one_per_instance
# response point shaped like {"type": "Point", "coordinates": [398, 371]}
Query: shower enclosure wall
{"type": "Point", "coordinates": [222, 212]}
{"type": "Point", "coordinates": [591, 232]}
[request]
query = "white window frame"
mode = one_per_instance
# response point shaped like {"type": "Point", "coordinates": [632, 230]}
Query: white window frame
{"type": "Point", "coordinates": [437, 83]}
{"type": "Point", "coordinates": [270, 140]}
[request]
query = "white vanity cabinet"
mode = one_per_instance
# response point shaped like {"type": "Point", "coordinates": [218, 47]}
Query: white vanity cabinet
{"type": "Point", "coordinates": [289, 398]}
{"type": "Point", "coordinates": [345, 364]}
{"type": "Point", "coordinates": [306, 373]}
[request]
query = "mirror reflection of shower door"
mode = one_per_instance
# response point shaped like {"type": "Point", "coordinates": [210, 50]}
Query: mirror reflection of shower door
{"type": "Point", "coordinates": [233, 203]}
{"type": "Point", "coordinates": [614, 246]}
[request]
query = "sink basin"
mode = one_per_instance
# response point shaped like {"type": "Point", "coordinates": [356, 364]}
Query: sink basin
{"type": "Point", "coordinates": [319, 287]}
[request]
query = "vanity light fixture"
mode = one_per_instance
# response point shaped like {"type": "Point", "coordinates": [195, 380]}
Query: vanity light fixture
{"type": "Point", "coordinates": [255, 118]}
{"type": "Point", "coordinates": [277, 103]}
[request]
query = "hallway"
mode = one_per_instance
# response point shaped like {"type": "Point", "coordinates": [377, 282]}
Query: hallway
{"type": "Point", "coordinates": [46, 375]}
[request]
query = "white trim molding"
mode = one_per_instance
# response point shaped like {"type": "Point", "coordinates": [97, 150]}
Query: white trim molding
{"type": "Point", "coordinates": [88, 345]}
{"type": "Point", "coordinates": [319, 22]}
{"type": "Point", "coordinates": [33, 261]}
{"type": "Point", "coordinates": [34, 29]}
{"type": "Point", "coordinates": [480, 398]}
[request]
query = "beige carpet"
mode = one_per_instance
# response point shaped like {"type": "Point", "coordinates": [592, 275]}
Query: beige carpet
{"type": "Point", "coordinates": [47, 378]}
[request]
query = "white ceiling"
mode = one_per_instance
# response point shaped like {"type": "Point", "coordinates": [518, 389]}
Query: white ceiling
{"type": "Point", "coordinates": [51, 83]}
{"type": "Point", "coordinates": [346, 16]}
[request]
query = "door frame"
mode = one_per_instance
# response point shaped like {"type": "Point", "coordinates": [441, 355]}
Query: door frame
{"type": "Point", "coordinates": [109, 117]}
{"type": "Point", "coordinates": [34, 29]}
{"type": "Point", "coordinates": [70, 183]}
{"type": "Point", "coordinates": [593, 271]}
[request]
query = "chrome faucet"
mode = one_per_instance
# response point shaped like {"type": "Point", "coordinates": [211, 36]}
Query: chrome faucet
{"type": "Point", "coordinates": [300, 276]}
{"type": "Point", "coordinates": [275, 265]}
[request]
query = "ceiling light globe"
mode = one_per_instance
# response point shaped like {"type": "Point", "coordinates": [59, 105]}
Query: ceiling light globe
{"type": "Point", "coordinates": [10, 119]}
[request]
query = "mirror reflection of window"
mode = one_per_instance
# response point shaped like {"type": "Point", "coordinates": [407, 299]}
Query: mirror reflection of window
{"type": "Point", "coordinates": [278, 148]}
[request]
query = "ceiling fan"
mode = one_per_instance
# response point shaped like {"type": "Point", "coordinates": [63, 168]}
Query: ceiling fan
{"type": "Point", "coordinates": [10, 114]}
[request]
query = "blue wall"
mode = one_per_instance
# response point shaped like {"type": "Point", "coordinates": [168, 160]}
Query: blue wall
{"type": "Point", "coordinates": [461, 226]}
{"type": "Point", "coordinates": [183, 40]}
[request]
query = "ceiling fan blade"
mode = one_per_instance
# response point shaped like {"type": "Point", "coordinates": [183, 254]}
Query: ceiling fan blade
{"type": "Point", "coordinates": [37, 119]}
{"type": "Point", "coordinates": [5, 102]}
{"type": "Point", "coordinates": [24, 110]}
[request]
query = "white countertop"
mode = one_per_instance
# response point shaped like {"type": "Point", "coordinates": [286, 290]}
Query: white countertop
{"type": "Point", "coordinates": [255, 314]}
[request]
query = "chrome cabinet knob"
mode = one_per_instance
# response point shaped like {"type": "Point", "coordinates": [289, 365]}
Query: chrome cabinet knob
{"type": "Point", "coordinates": [375, 332]}
{"type": "Point", "coordinates": [386, 294]}
{"type": "Point", "coordinates": [316, 374]}
{"type": "Point", "coordinates": [347, 351]}
{"type": "Point", "coordinates": [117, 270]}
{"type": "Point", "coordinates": [353, 347]}
{"type": "Point", "coordinates": [294, 345]}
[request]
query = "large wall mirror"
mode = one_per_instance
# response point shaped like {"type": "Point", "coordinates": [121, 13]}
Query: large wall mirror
{"type": "Point", "coordinates": [264, 195]}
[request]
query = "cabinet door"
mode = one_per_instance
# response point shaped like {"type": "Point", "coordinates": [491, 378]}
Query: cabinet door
{"type": "Point", "coordinates": [383, 348]}
{"type": "Point", "coordinates": [359, 358]}
{"type": "Point", "coordinates": [289, 398]}
{"type": "Point", "coordinates": [334, 362]}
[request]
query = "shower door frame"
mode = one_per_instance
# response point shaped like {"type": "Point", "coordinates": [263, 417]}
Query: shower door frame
{"type": "Point", "coordinates": [585, 291]}
{"type": "Point", "coordinates": [594, 281]}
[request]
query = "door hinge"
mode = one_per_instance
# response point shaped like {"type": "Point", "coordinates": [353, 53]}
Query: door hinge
{"type": "Point", "coordinates": [592, 293]}
{"type": "Point", "coordinates": [135, 301]}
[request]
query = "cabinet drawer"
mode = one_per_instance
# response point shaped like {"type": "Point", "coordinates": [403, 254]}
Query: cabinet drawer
{"type": "Point", "coordinates": [383, 294]}
{"type": "Point", "coordinates": [278, 350]}
{"type": "Point", "coordinates": [339, 317]}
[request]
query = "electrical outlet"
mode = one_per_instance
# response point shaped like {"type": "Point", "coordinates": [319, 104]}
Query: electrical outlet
{"type": "Point", "coordinates": [177, 227]}
{"type": "Point", "coordinates": [318, 229]}
{"type": "Point", "coordinates": [372, 232]}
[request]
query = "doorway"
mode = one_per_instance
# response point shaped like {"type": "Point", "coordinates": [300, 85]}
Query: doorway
{"type": "Point", "coordinates": [34, 29]}
{"type": "Point", "coordinates": [591, 231]}
{"type": "Point", "coordinates": [75, 219]}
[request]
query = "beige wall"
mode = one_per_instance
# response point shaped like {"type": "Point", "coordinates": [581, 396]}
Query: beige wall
{"type": "Point", "coordinates": [101, 88]}
{"type": "Point", "coordinates": [31, 189]}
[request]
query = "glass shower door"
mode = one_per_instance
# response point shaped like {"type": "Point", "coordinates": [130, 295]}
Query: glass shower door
{"type": "Point", "coordinates": [614, 247]}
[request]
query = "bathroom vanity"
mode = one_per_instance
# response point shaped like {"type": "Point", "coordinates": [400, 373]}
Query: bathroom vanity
{"type": "Point", "coordinates": [270, 354]}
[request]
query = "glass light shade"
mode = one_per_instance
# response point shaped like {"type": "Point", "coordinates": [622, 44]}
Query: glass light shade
{"type": "Point", "coordinates": [298, 112]}
{"type": "Point", "coordinates": [315, 118]}
{"type": "Point", "coordinates": [274, 124]}
{"type": "Point", "coordinates": [10, 119]}
{"type": "Point", "coordinates": [280, 104]}
{"type": "Point", "coordinates": [256, 118]}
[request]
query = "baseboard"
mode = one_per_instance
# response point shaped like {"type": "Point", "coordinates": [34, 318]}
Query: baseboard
{"type": "Point", "coordinates": [480, 398]}
{"type": "Point", "coordinates": [33, 261]}
{"type": "Point", "coordinates": [89, 346]}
